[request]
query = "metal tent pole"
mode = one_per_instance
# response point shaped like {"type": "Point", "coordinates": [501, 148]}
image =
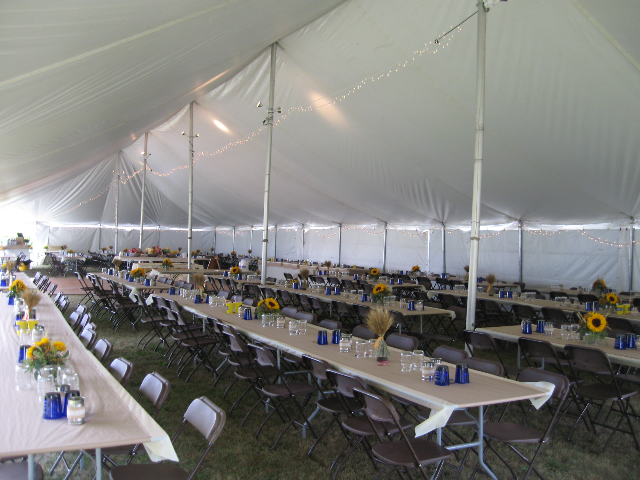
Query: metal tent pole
{"type": "Point", "coordinates": [520, 251]}
{"type": "Point", "coordinates": [144, 186]}
{"type": "Point", "coordinates": [303, 239]}
{"type": "Point", "coordinates": [118, 168]}
{"type": "Point", "coordinates": [190, 226]}
{"type": "Point", "coordinates": [384, 250]}
{"type": "Point", "coordinates": [477, 168]}
{"type": "Point", "coordinates": [340, 244]}
{"type": "Point", "coordinates": [275, 242]}
{"type": "Point", "coordinates": [267, 175]}
{"type": "Point", "coordinates": [631, 243]}
{"type": "Point", "coordinates": [233, 239]}
{"type": "Point", "coordinates": [251, 239]}
{"type": "Point", "coordinates": [444, 250]}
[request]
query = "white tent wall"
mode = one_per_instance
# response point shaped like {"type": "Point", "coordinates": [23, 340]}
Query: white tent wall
{"type": "Point", "coordinates": [322, 244]}
{"type": "Point", "coordinates": [362, 245]}
{"type": "Point", "coordinates": [636, 261]}
{"type": "Point", "coordinates": [286, 245]}
{"type": "Point", "coordinates": [224, 240]}
{"type": "Point", "coordinates": [243, 239]}
{"type": "Point", "coordinates": [78, 239]}
{"type": "Point", "coordinates": [576, 258]}
{"type": "Point", "coordinates": [435, 251]}
{"type": "Point", "coordinates": [406, 248]}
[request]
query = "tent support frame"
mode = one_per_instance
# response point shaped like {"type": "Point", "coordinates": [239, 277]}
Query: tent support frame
{"type": "Point", "coordinates": [144, 187]}
{"type": "Point", "coordinates": [267, 175]}
{"type": "Point", "coordinates": [631, 238]}
{"type": "Point", "coordinates": [190, 227]}
{"type": "Point", "coordinates": [477, 168]}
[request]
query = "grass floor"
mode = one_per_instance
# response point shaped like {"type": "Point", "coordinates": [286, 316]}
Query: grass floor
{"type": "Point", "coordinates": [238, 455]}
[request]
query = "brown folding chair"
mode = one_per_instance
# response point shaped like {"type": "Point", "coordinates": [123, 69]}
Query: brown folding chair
{"type": "Point", "coordinates": [404, 454]}
{"type": "Point", "coordinates": [207, 418]}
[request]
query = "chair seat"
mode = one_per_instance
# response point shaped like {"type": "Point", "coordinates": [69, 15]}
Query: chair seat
{"type": "Point", "coordinates": [250, 373]}
{"type": "Point", "coordinates": [628, 377]}
{"type": "Point", "coordinates": [457, 419]}
{"type": "Point", "coordinates": [19, 470]}
{"type": "Point", "coordinates": [550, 361]}
{"type": "Point", "coordinates": [398, 453]}
{"type": "Point", "coordinates": [334, 405]}
{"type": "Point", "coordinates": [508, 432]}
{"type": "Point", "coordinates": [291, 358]}
{"type": "Point", "coordinates": [602, 391]}
{"type": "Point", "coordinates": [294, 388]}
{"type": "Point", "coordinates": [148, 471]}
{"type": "Point", "coordinates": [361, 426]}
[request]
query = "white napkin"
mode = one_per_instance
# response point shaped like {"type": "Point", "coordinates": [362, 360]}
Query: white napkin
{"type": "Point", "coordinates": [134, 291]}
{"type": "Point", "coordinates": [160, 449]}
{"type": "Point", "coordinates": [540, 401]}
{"type": "Point", "coordinates": [431, 294]}
{"type": "Point", "coordinates": [437, 419]}
{"type": "Point", "coordinates": [149, 300]}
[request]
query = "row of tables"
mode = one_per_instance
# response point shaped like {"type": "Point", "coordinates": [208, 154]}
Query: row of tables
{"type": "Point", "coordinates": [484, 389]}
{"type": "Point", "coordinates": [113, 416]}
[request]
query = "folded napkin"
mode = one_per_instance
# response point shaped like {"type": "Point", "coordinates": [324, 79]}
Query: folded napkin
{"type": "Point", "coordinates": [546, 386]}
{"type": "Point", "coordinates": [437, 419]}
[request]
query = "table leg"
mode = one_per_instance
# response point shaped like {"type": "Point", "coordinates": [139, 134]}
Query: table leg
{"type": "Point", "coordinates": [518, 359]}
{"type": "Point", "coordinates": [98, 463]}
{"type": "Point", "coordinates": [484, 466]}
{"type": "Point", "coordinates": [31, 470]}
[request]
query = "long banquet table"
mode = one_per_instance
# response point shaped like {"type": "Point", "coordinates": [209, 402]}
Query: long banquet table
{"type": "Point", "coordinates": [511, 333]}
{"type": "Point", "coordinates": [484, 389]}
{"type": "Point", "coordinates": [113, 416]}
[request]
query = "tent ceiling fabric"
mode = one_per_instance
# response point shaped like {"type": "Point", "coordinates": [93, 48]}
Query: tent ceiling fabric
{"type": "Point", "coordinates": [364, 137]}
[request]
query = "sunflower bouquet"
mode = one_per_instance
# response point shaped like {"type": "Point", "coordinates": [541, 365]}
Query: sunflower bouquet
{"type": "Point", "coordinates": [379, 292]}
{"type": "Point", "coordinates": [116, 263]}
{"type": "Point", "coordinates": [235, 270]}
{"type": "Point", "coordinates": [379, 321]}
{"type": "Point", "coordinates": [374, 274]}
{"type": "Point", "coordinates": [138, 273]}
{"type": "Point", "coordinates": [46, 352]}
{"type": "Point", "coordinates": [599, 286]}
{"type": "Point", "coordinates": [167, 264]}
{"type": "Point", "coordinates": [8, 266]}
{"type": "Point", "coordinates": [268, 306]}
{"type": "Point", "coordinates": [415, 269]}
{"type": "Point", "coordinates": [593, 323]}
{"type": "Point", "coordinates": [609, 300]}
{"type": "Point", "coordinates": [16, 288]}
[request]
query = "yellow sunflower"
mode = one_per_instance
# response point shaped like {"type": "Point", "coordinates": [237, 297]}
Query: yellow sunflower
{"type": "Point", "coordinates": [374, 271]}
{"type": "Point", "coordinates": [235, 270]}
{"type": "Point", "coordinates": [60, 346]}
{"type": "Point", "coordinates": [596, 322]}
{"type": "Point", "coordinates": [612, 298]}
{"type": "Point", "coordinates": [271, 304]}
{"type": "Point", "coordinates": [415, 268]}
{"type": "Point", "coordinates": [379, 288]}
{"type": "Point", "coordinates": [30, 352]}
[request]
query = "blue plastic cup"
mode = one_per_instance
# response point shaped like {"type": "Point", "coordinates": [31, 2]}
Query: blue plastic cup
{"type": "Point", "coordinates": [631, 341]}
{"type": "Point", "coordinates": [52, 406]}
{"type": "Point", "coordinates": [335, 337]}
{"type": "Point", "coordinates": [197, 299]}
{"type": "Point", "coordinates": [526, 327]}
{"type": "Point", "coordinates": [620, 342]}
{"type": "Point", "coordinates": [172, 290]}
{"type": "Point", "coordinates": [442, 375]}
{"type": "Point", "coordinates": [322, 337]}
{"type": "Point", "coordinates": [392, 281]}
{"type": "Point", "coordinates": [540, 326]}
{"type": "Point", "coordinates": [509, 294]}
{"type": "Point", "coordinates": [364, 297]}
{"type": "Point", "coordinates": [588, 306]}
{"type": "Point", "coordinates": [327, 291]}
{"type": "Point", "coordinates": [336, 291]}
{"type": "Point", "coordinates": [22, 353]}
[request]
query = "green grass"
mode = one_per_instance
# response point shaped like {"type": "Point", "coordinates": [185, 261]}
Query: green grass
{"type": "Point", "coordinates": [238, 455]}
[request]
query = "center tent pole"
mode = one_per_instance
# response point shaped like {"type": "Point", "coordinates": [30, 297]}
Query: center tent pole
{"type": "Point", "coordinates": [267, 175]}
{"type": "Point", "coordinates": [118, 168]}
{"type": "Point", "coordinates": [339, 244]}
{"type": "Point", "coordinates": [477, 168]}
{"type": "Point", "coordinates": [190, 227]}
{"type": "Point", "coordinates": [384, 249]}
{"type": "Point", "coordinates": [144, 186]}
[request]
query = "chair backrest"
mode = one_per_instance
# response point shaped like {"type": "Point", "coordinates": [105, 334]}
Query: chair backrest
{"type": "Point", "coordinates": [209, 419]}
{"type": "Point", "coordinates": [330, 324]}
{"type": "Point", "coordinates": [587, 297]}
{"type": "Point", "coordinates": [310, 317]}
{"type": "Point", "coordinates": [52, 290]}
{"type": "Point", "coordinates": [479, 340]}
{"type": "Point", "coordinates": [250, 302]}
{"type": "Point", "coordinates": [402, 341]}
{"type": "Point", "coordinates": [290, 312]}
{"type": "Point", "coordinates": [561, 382]}
{"type": "Point", "coordinates": [450, 354]}
{"type": "Point", "coordinates": [102, 350]}
{"type": "Point", "coordinates": [317, 367]}
{"type": "Point", "coordinates": [263, 356]}
{"type": "Point", "coordinates": [362, 331]}
{"type": "Point", "coordinates": [535, 347]}
{"type": "Point", "coordinates": [588, 359]}
{"type": "Point", "coordinates": [555, 315]}
{"type": "Point", "coordinates": [377, 408]}
{"type": "Point", "coordinates": [121, 369]}
{"type": "Point", "coordinates": [156, 388]}
{"type": "Point", "coordinates": [487, 366]}
{"type": "Point", "coordinates": [344, 383]}
{"type": "Point", "coordinates": [621, 325]}
{"type": "Point", "coordinates": [88, 337]}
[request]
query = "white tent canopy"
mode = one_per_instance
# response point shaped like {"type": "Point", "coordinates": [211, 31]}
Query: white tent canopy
{"type": "Point", "coordinates": [377, 123]}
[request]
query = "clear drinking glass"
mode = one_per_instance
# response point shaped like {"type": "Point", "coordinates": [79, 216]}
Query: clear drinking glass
{"type": "Point", "coordinates": [371, 347]}
{"type": "Point", "coordinates": [548, 328]}
{"type": "Point", "coordinates": [45, 384]}
{"type": "Point", "coordinates": [574, 331]}
{"type": "Point", "coordinates": [418, 358]}
{"type": "Point", "coordinates": [406, 361]}
{"type": "Point", "coordinates": [302, 327]}
{"type": "Point", "coordinates": [23, 377]}
{"type": "Point", "coordinates": [293, 327]}
{"type": "Point", "coordinates": [71, 378]}
{"type": "Point", "coordinates": [361, 348]}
